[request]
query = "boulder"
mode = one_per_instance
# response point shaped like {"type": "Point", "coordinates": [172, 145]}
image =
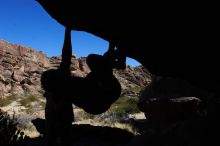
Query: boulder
{"type": "Point", "coordinates": [18, 76]}
{"type": "Point", "coordinates": [167, 88]}
{"type": "Point", "coordinates": [171, 99]}
{"type": "Point", "coordinates": [21, 69]}
{"type": "Point", "coordinates": [170, 110]}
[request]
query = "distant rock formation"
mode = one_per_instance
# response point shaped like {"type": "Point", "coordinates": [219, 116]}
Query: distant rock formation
{"type": "Point", "coordinates": [21, 68]}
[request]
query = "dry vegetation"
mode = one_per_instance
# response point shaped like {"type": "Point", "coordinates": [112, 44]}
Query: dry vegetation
{"type": "Point", "coordinates": [29, 107]}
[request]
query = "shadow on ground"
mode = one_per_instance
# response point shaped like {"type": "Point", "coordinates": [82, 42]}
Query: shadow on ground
{"type": "Point", "coordinates": [85, 134]}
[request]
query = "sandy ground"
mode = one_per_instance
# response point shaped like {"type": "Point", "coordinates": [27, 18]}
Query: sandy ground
{"type": "Point", "coordinates": [15, 109]}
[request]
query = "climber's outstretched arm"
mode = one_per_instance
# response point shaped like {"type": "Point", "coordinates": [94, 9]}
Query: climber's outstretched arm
{"type": "Point", "coordinates": [67, 51]}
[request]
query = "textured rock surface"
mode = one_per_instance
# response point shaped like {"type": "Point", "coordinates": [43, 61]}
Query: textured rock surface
{"type": "Point", "coordinates": [171, 99]}
{"type": "Point", "coordinates": [18, 66]}
{"type": "Point", "coordinates": [170, 110]}
{"type": "Point", "coordinates": [21, 68]}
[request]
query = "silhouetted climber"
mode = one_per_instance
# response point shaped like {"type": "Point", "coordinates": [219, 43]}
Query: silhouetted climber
{"type": "Point", "coordinates": [100, 85]}
{"type": "Point", "coordinates": [95, 93]}
{"type": "Point", "coordinates": [58, 111]}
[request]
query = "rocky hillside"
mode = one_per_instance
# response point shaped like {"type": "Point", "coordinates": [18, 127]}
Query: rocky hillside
{"type": "Point", "coordinates": [21, 68]}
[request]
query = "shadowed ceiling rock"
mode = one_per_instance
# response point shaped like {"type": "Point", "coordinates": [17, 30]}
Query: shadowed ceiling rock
{"type": "Point", "coordinates": [169, 41]}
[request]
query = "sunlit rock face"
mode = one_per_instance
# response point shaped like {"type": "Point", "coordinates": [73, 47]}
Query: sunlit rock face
{"type": "Point", "coordinates": [13, 55]}
{"type": "Point", "coordinates": [20, 69]}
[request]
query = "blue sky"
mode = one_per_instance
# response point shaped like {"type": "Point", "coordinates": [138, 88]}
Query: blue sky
{"type": "Point", "coordinates": [26, 23]}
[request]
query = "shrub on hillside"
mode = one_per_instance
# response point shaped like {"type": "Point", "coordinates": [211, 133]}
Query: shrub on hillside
{"type": "Point", "coordinates": [119, 111]}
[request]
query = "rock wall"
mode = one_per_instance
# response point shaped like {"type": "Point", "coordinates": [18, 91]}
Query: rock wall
{"type": "Point", "coordinates": [20, 69]}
